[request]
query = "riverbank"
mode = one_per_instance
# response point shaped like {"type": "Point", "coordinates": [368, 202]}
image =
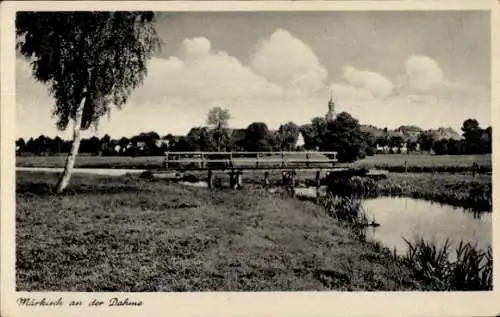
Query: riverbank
{"type": "Point", "coordinates": [130, 234]}
{"type": "Point", "coordinates": [458, 190]}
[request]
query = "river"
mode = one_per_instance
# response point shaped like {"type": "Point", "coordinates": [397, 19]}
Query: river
{"type": "Point", "coordinates": [408, 218]}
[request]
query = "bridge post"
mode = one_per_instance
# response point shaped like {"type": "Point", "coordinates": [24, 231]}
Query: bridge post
{"type": "Point", "coordinates": [232, 182]}
{"type": "Point", "coordinates": [202, 163]}
{"type": "Point", "coordinates": [266, 179]}
{"type": "Point", "coordinates": [235, 179]}
{"type": "Point", "coordinates": [239, 179]}
{"type": "Point", "coordinates": [292, 185]}
{"type": "Point", "coordinates": [210, 179]}
{"type": "Point", "coordinates": [165, 162]}
{"type": "Point", "coordinates": [318, 183]}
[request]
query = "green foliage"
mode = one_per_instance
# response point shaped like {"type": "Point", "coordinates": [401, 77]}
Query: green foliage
{"type": "Point", "coordinates": [309, 137]}
{"type": "Point", "coordinates": [371, 142]}
{"type": "Point", "coordinates": [475, 140]}
{"type": "Point", "coordinates": [344, 208]}
{"type": "Point", "coordinates": [440, 147]}
{"type": "Point", "coordinates": [201, 139]}
{"type": "Point", "coordinates": [287, 136]}
{"type": "Point", "coordinates": [396, 141]}
{"type": "Point", "coordinates": [344, 136]}
{"type": "Point", "coordinates": [218, 118]}
{"type": "Point", "coordinates": [258, 138]}
{"type": "Point", "coordinates": [100, 56]}
{"type": "Point", "coordinates": [426, 139]}
{"type": "Point", "coordinates": [411, 145]}
{"type": "Point", "coordinates": [471, 270]}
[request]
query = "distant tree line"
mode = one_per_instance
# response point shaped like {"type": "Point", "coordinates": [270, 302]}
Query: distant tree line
{"type": "Point", "coordinates": [475, 141]}
{"type": "Point", "coordinates": [344, 135]}
{"type": "Point", "coordinates": [141, 144]}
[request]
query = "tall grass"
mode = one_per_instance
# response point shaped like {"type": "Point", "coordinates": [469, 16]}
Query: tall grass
{"type": "Point", "coordinates": [473, 195]}
{"type": "Point", "coordinates": [346, 209]}
{"type": "Point", "coordinates": [471, 270]}
{"type": "Point", "coordinates": [432, 264]}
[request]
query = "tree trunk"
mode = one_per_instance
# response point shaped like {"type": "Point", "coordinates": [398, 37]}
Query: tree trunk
{"type": "Point", "coordinates": [218, 136]}
{"type": "Point", "coordinates": [75, 145]}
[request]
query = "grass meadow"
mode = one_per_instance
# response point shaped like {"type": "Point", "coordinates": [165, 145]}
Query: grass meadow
{"type": "Point", "coordinates": [129, 234]}
{"type": "Point", "coordinates": [392, 162]}
{"type": "Point", "coordinates": [417, 163]}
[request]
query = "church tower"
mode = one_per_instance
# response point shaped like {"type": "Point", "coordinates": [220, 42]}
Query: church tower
{"type": "Point", "coordinates": [330, 115]}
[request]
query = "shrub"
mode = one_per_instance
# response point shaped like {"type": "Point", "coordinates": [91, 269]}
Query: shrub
{"type": "Point", "coordinates": [147, 175]}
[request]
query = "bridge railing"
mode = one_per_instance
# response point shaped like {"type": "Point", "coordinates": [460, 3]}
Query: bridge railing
{"type": "Point", "coordinates": [228, 160]}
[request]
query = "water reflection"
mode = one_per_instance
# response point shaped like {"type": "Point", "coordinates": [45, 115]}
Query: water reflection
{"type": "Point", "coordinates": [408, 218]}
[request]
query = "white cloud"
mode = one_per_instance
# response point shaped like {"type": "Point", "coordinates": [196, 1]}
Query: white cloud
{"type": "Point", "coordinates": [195, 48]}
{"type": "Point", "coordinates": [217, 76]}
{"type": "Point", "coordinates": [372, 81]}
{"type": "Point", "coordinates": [351, 94]}
{"type": "Point", "coordinates": [288, 62]}
{"type": "Point", "coordinates": [423, 74]}
{"type": "Point", "coordinates": [178, 92]}
{"type": "Point", "coordinates": [422, 97]}
{"type": "Point", "coordinates": [282, 84]}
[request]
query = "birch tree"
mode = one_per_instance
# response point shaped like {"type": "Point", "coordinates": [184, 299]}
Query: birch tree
{"type": "Point", "coordinates": [90, 61]}
{"type": "Point", "coordinates": [218, 118]}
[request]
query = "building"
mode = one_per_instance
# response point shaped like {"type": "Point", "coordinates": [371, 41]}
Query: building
{"type": "Point", "coordinates": [330, 115]}
{"type": "Point", "coordinates": [299, 144]}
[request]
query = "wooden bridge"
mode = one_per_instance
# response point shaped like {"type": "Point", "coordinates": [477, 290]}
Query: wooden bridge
{"type": "Point", "coordinates": [248, 160]}
{"type": "Point", "coordinates": [237, 162]}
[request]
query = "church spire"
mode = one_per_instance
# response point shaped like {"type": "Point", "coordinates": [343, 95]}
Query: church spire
{"type": "Point", "coordinates": [330, 115]}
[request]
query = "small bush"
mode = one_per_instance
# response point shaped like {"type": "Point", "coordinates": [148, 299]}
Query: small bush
{"type": "Point", "coordinates": [190, 178]}
{"type": "Point", "coordinates": [147, 175]}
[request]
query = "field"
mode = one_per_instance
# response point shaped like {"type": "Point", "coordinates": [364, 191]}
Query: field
{"type": "Point", "coordinates": [130, 234]}
{"type": "Point", "coordinates": [135, 233]}
{"type": "Point", "coordinates": [426, 162]}
{"type": "Point", "coordinates": [392, 162]}
{"type": "Point", "coordinates": [140, 162]}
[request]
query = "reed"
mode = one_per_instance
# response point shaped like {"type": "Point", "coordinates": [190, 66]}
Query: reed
{"type": "Point", "coordinates": [346, 209]}
{"type": "Point", "coordinates": [471, 270]}
{"type": "Point", "coordinates": [473, 195]}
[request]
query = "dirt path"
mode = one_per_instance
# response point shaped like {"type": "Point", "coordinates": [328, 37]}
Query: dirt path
{"type": "Point", "coordinates": [95, 171]}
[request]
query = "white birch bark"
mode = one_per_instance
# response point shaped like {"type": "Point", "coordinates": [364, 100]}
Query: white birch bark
{"type": "Point", "coordinates": [75, 145]}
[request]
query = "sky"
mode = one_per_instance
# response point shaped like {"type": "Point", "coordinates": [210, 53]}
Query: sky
{"type": "Point", "coordinates": [386, 68]}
